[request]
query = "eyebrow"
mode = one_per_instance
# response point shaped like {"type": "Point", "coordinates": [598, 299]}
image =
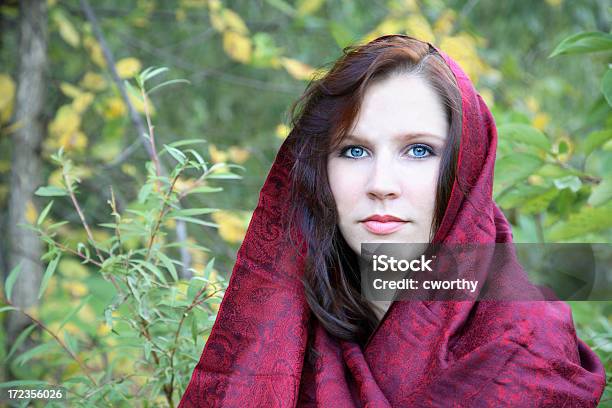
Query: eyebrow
{"type": "Point", "coordinates": [405, 136]}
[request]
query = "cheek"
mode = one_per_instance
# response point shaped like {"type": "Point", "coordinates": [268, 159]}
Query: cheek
{"type": "Point", "coordinates": [421, 187]}
{"type": "Point", "coordinates": [346, 186]}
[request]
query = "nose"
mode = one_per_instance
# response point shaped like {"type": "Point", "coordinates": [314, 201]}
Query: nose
{"type": "Point", "coordinates": [383, 181]}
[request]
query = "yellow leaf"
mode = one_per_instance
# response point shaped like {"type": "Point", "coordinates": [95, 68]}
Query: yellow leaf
{"type": "Point", "coordinates": [535, 180]}
{"type": "Point", "coordinates": [103, 330]}
{"type": "Point", "coordinates": [75, 288]}
{"type": "Point", "coordinates": [95, 51]}
{"type": "Point", "coordinates": [232, 227]}
{"type": "Point", "coordinates": [238, 154]}
{"type": "Point", "coordinates": [217, 21]}
{"type": "Point", "coordinates": [297, 69]}
{"type": "Point", "coordinates": [234, 22]}
{"type": "Point", "coordinates": [282, 131]}
{"type": "Point", "coordinates": [308, 7]}
{"type": "Point", "coordinates": [93, 81]}
{"type": "Point", "coordinates": [216, 155]}
{"type": "Point", "coordinates": [387, 26]}
{"type": "Point", "coordinates": [183, 184]}
{"type": "Point", "coordinates": [462, 48]}
{"type": "Point", "coordinates": [139, 104]}
{"type": "Point", "coordinates": [7, 96]}
{"type": "Point", "coordinates": [114, 108]}
{"type": "Point", "coordinates": [72, 329]}
{"type": "Point", "coordinates": [87, 314]}
{"type": "Point", "coordinates": [31, 214]}
{"type": "Point", "coordinates": [66, 29]}
{"type": "Point", "coordinates": [540, 120]}
{"type": "Point", "coordinates": [73, 141]}
{"type": "Point", "coordinates": [66, 120]}
{"type": "Point", "coordinates": [82, 102]}
{"type": "Point", "coordinates": [417, 26]}
{"type": "Point", "coordinates": [56, 178]}
{"type": "Point", "coordinates": [532, 104]}
{"type": "Point", "coordinates": [554, 3]}
{"type": "Point", "coordinates": [444, 24]}
{"type": "Point", "coordinates": [412, 6]}
{"type": "Point", "coordinates": [69, 90]}
{"type": "Point", "coordinates": [140, 21]}
{"type": "Point", "coordinates": [129, 169]}
{"type": "Point", "coordinates": [193, 3]}
{"type": "Point", "coordinates": [127, 67]}
{"type": "Point", "coordinates": [214, 5]}
{"type": "Point", "coordinates": [237, 46]}
{"type": "Point", "coordinates": [180, 15]}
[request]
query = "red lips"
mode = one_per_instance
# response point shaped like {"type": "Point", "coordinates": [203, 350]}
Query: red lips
{"type": "Point", "coordinates": [383, 224]}
{"type": "Point", "coordinates": [382, 218]}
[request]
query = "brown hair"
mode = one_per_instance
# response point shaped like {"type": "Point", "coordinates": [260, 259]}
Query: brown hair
{"type": "Point", "coordinates": [320, 119]}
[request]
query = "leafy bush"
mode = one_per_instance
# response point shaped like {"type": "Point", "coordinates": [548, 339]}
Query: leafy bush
{"type": "Point", "coordinates": [138, 335]}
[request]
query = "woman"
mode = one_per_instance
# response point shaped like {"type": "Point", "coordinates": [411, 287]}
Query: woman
{"type": "Point", "coordinates": [395, 129]}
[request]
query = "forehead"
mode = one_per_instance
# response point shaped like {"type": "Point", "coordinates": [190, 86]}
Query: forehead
{"type": "Point", "coordinates": [397, 105]}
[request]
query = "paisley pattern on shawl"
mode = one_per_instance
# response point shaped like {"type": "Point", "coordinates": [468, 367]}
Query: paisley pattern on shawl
{"type": "Point", "coordinates": [423, 353]}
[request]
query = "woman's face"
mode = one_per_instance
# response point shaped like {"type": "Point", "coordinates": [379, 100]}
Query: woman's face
{"type": "Point", "coordinates": [383, 175]}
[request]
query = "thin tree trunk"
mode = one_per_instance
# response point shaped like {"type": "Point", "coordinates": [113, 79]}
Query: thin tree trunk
{"type": "Point", "coordinates": [24, 245]}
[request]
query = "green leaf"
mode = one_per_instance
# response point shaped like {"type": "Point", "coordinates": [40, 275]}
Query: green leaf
{"type": "Point", "coordinates": [187, 142]}
{"type": "Point", "coordinates": [168, 264]}
{"type": "Point", "coordinates": [71, 342]}
{"type": "Point", "coordinates": [144, 192]}
{"type": "Point", "coordinates": [156, 271]}
{"type": "Point", "coordinates": [342, 35]}
{"type": "Point", "coordinates": [606, 86]}
{"type": "Point", "coordinates": [571, 182]}
{"type": "Point", "coordinates": [33, 352]}
{"type": "Point", "coordinates": [540, 202]}
{"type": "Point", "coordinates": [205, 190]}
{"type": "Point", "coordinates": [596, 139]}
{"type": "Point", "coordinates": [526, 134]}
{"type": "Point", "coordinates": [7, 308]}
{"type": "Point", "coordinates": [585, 42]}
{"type": "Point", "coordinates": [209, 267]}
{"type": "Point", "coordinates": [191, 211]}
{"type": "Point", "coordinates": [51, 191]}
{"type": "Point", "coordinates": [171, 82]}
{"type": "Point", "coordinates": [10, 281]}
{"type": "Point", "coordinates": [20, 339]}
{"type": "Point", "coordinates": [57, 225]}
{"type": "Point", "coordinates": [522, 194]}
{"type": "Point", "coordinates": [23, 383]}
{"type": "Point", "coordinates": [176, 153]}
{"type": "Point", "coordinates": [228, 176]}
{"type": "Point", "coordinates": [152, 72]}
{"type": "Point", "coordinates": [282, 6]}
{"type": "Point", "coordinates": [197, 221]}
{"type": "Point", "coordinates": [74, 311]}
{"type": "Point", "coordinates": [513, 168]}
{"type": "Point", "coordinates": [194, 329]}
{"type": "Point", "coordinates": [587, 220]}
{"type": "Point", "coordinates": [601, 193]}
{"type": "Point", "coordinates": [44, 213]}
{"type": "Point", "coordinates": [48, 274]}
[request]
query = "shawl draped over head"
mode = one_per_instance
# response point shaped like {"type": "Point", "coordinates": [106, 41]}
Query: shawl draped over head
{"type": "Point", "coordinates": [423, 353]}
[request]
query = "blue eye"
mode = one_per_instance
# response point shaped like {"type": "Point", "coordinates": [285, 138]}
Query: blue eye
{"type": "Point", "coordinates": [420, 151]}
{"type": "Point", "coordinates": [354, 152]}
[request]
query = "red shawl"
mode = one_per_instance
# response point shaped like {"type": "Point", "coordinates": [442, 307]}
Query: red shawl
{"type": "Point", "coordinates": [423, 353]}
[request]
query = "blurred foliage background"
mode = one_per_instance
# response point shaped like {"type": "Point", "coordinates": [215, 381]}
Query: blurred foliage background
{"type": "Point", "coordinates": [246, 62]}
